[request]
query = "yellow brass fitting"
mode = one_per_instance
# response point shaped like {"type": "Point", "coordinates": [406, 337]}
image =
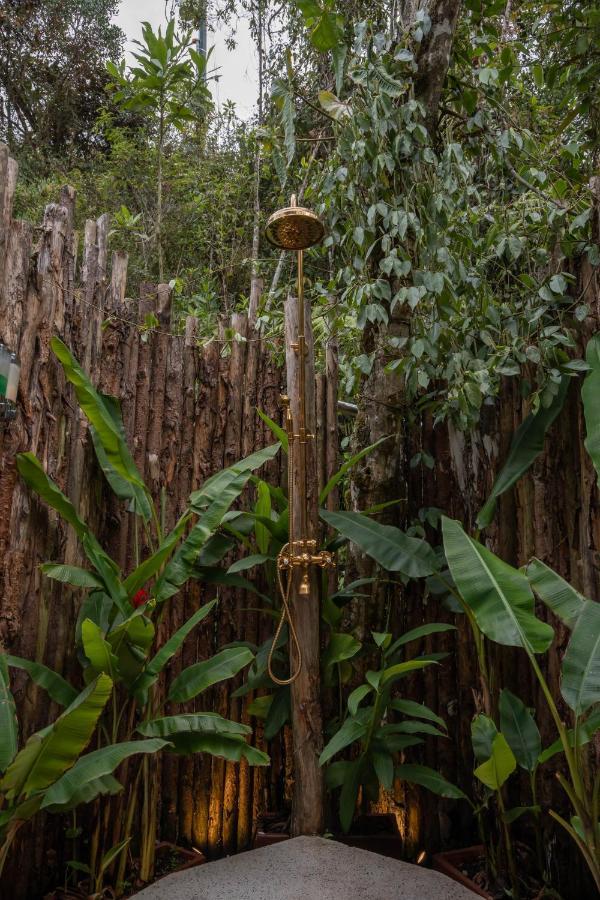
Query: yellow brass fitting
{"type": "Point", "coordinates": [304, 589]}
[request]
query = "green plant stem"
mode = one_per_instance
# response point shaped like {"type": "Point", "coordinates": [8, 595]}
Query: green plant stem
{"type": "Point", "coordinates": [10, 836]}
{"type": "Point", "coordinates": [562, 731]}
{"type": "Point", "coordinates": [508, 845]}
{"type": "Point", "coordinates": [538, 833]}
{"type": "Point", "coordinates": [131, 807]}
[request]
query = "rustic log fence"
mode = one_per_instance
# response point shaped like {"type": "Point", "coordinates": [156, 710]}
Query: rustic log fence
{"type": "Point", "coordinates": [188, 411]}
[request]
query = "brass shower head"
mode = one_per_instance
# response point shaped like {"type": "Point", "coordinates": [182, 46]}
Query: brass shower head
{"type": "Point", "coordinates": [294, 228]}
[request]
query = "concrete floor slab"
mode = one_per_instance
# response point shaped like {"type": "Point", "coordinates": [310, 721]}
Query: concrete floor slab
{"type": "Point", "coordinates": [306, 868]}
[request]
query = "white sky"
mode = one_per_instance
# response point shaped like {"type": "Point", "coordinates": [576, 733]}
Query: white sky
{"type": "Point", "coordinates": [237, 69]}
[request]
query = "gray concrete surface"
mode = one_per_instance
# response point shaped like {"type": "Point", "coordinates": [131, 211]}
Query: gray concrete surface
{"type": "Point", "coordinates": [306, 868]}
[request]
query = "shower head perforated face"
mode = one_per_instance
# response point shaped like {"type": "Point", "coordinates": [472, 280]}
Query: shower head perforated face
{"type": "Point", "coordinates": [294, 228]}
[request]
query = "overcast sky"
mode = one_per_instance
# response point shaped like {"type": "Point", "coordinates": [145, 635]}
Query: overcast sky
{"type": "Point", "coordinates": [237, 68]}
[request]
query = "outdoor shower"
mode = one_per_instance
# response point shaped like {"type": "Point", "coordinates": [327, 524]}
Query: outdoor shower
{"type": "Point", "coordinates": [296, 228]}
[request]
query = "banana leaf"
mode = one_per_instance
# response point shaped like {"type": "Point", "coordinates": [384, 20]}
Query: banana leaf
{"type": "Point", "coordinates": [34, 476]}
{"type": "Point", "coordinates": [192, 723]}
{"type": "Point", "coordinates": [57, 688]}
{"type": "Point", "coordinates": [419, 710]}
{"type": "Point", "coordinates": [73, 575]}
{"type": "Point", "coordinates": [580, 682]}
{"type": "Point", "coordinates": [98, 651]}
{"type": "Point", "coordinates": [590, 395]}
{"type": "Point", "coordinates": [520, 730]}
{"type": "Point", "coordinates": [95, 766]}
{"type": "Point", "coordinates": [527, 444]}
{"type": "Point", "coordinates": [88, 791]}
{"type": "Point", "coordinates": [351, 730]}
{"type": "Point", "coordinates": [150, 674]}
{"type": "Point", "coordinates": [213, 486]}
{"type": "Point", "coordinates": [390, 547]}
{"type": "Point", "coordinates": [148, 569]}
{"type": "Point", "coordinates": [559, 596]}
{"type": "Point", "coordinates": [278, 432]}
{"type": "Point", "coordinates": [50, 752]}
{"type": "Point", "coordinates": [197, 678]}
{"type": "Point", "coordinates": [429, 779]}
{"type": "Point", "coordinates": [8, 718]}
{"type": "Point", "coordinates": [498, 595]}
{"type": "Point", "coordinates": [346, 467]}
{"type": "Point", "coordinates": [181, 566]}
{"type": "Point", "coordinates": [108, 434]}
{"type": "Point", "coordinates": [231, 747]}
{"type": "Point", "coordinates": [495, 771]}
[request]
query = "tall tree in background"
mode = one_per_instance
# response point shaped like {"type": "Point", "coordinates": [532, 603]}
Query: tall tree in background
{"type": "Point", "coordinates": [52, 75]}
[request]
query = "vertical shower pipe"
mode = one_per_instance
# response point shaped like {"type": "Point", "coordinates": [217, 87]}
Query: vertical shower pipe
{"type": "Point", "coordinates": [296, 228]}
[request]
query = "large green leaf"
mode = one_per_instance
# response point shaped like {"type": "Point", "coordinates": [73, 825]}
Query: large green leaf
{"type": "Point", "coordinates": [383, 763]}
{"type": "Point", "coordinates": [262, 510]}
{"type": "Point", "coordinates": [412, 708]}
{"type": "Point", "coordinates": [401, 669]}
{"type": "Point", "coordinates": [279, 432]}
{"type": "Point", "coordinates": [49, 753]}
{"type": "Point", "coordinates": [73, 575]}
{"type": "Point", "coordinates": [349, 793]}
{"type": "Point", "coordinates": [420, 631]}
{"type": "Point", "coordinates": [580, 682]}
{"type": "Point", "coordinates": [181, 566]}
{"type": "Point", "coordinates": [213, 486]}
{"type": "Point", "coordinates": [347, 466]}
{"type": "Point", "coordinates": [8, 718]}
{"type": "Point", "coordinates": [58, 689]}
{"type": "Point", "coordinates": [341, 646]}
{"type": "Point", "coordinates": [87, 791]}
{"type": "Point", "coordinates": [148, 569]}
{"type": "Point", "coordinates": [34, 476]}
{"type": "Point", "coordinates": [247, 562]}
{"type": "Point", "coordinates": [498, 595]}
{"type": "Point", "coordinates": [590, 394]}
{"type": "Point", "coordinates": [197, 678]}
{"type": "Point", "coordinates": [203, 723]}
{"type": "Point", "coordinates": [565, 602]}
{"type": "Point", "coordinates": [583, 734]}
{"type": "Point", "coordinates": [168, 650]}
{"type": "Point", "coordinates": [97, 650]}
{"type": "Point", "coordinates": [107, 433]}
{"type": "Point", "coordinates": [483, 732]}
{"type": "Point", "coordinates": [32, 473]}
{"type": "Point", "coordinates": [231, 747]}
{"type": "Point", "coordinates": [387, 545]}
{"type": "Point", "coordinates": [498, 768]}
{"type": "Point", "coordinates": [527, 444]}
{"type": "Point", "coordinates": [430, 779]}
{"type": "Point", "coordinates": [520, 730]}
{"type": "Point", "coordinates": [130, 642]}
{"type": "Point", "coordinates": [351, 730]}
{"type": "Point", "coordinates": [96, 766]}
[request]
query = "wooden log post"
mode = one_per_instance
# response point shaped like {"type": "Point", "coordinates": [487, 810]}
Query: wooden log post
{"type": "Point", "coordinates": [307, 719]}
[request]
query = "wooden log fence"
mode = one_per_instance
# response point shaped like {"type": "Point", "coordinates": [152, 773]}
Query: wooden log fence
{"type": "Point", "coordinates": [188, 411]}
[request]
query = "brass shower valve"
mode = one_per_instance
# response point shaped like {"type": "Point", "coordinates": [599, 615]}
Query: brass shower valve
{"type": "Point", "coordinates": [303, 555]}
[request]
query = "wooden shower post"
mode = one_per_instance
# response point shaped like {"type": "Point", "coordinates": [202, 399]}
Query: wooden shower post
{"type": "Point", "coordinates": [307, 719]}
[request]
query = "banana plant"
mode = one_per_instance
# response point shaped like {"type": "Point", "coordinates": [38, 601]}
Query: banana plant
{"type": "Point", "coordinates": [52, 772]}
{"type": "Point", "coordinates": [384, 727]}
{"type": "Point", "coordinates": [502, 602]}
{"type": "Point", "coordinates": [119, 614]}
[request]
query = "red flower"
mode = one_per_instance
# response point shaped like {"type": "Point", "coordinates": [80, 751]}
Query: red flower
{"type": "Point", "coordinates": [140, 598]}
